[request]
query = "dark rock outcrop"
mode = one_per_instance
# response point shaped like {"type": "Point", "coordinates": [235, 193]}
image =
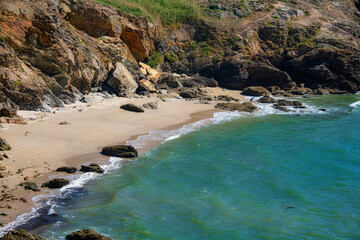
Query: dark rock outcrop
{"type": "Point", "coordinates": [132, 107]}
{"type": "Point", "coordinates": [67, 169]}
{"type": "Point", "coordinates": [86, 234]}
{"type": "Point", "coordinates": [56, 183]}
{"type": "Point", "coordinates": [122, 151]}
{"type": "Point", "coordinates": [92, 168]}
{"type": "Point", "coordinates": [30, 186]}
{"type": "Point", "coordinates": [20, 235]}
{"type": "Point", "coordinates": [4, 145]}
{"type": "Point", "coordinates": [242, 107]}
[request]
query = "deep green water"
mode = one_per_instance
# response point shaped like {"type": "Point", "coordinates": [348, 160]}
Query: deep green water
{"type": "Point", "coordinates": [255, 177]}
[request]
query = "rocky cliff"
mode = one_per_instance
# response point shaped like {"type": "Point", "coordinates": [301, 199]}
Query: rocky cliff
{"type": "Point", "coordinates": [54, 51]}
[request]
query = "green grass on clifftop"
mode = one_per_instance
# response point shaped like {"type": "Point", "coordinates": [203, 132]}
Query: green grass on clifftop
{"type": "Point", "coordinates": [168, 12]}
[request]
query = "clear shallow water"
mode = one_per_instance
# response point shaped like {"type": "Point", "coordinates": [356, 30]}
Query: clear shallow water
{"type": "Point", "coordinates": [255, 177]}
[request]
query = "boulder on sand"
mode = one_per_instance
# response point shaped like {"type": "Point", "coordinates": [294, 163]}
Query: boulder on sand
{"type": "Point", "coordinates": [256, 91]}
{"type": "Point", "coordinates": [30, 186]}
{"type": "Point", "coordinates": [92, 168]}
{"type": "Point", "coordinates": [4, 145]}
{"type": "Point", "coordinates": [86, 234]}
{"type": "Point", "coordinates": [132, 107]}
{"type": "Point", "coordinates": [56, 183]}
{"type": "Point", "coordinates": [151, 105]}
{"type": "Point", "coordinates": [66, 169]}
{"type": "Point", "coordinates": [242, 107]}
{"type": "Point", "coordinates": [123, 151]}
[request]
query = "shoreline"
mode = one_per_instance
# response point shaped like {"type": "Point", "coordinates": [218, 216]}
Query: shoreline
{"type": "Point", "coordinates": [188, 112]}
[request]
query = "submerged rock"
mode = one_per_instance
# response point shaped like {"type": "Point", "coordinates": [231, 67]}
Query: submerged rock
{"type": "Point", "coordinates": [4, 145]}
{"type": "Point", "coordinates": [92, 168]}
{"type": "Point", "coordinates": [66, 169]}
{"type": "Point", "coordinates": [123, 151]}
{"type": "Point", "coordinates": [242, 107]}
{"type": "Point", "coordinates": [20, 235]}
{"type": "Point", "coordinates": [56, 183]}
{"type": "Point", "coordinates": [30, 186]}
{"type": "Point", "coordinates": [283, 102]}
{"type": "Point", "coordinates": [86, 234]}
{"type": "Point", "coordinates": [132, 107]}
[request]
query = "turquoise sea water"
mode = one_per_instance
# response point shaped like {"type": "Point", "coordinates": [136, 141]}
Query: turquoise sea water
{"type": "Point", "coordinates": [274, 176]}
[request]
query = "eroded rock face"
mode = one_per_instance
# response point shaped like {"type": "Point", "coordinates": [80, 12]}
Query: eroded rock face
{"type": "Point", "coordinates": [121, 81]}
{"type": "Point", "coordinates": [122, 151]}
{"type": "Point", "coordinates": [242, 107]}
{"type": "Point", "coordinates": [86, 234]}
{"type": "Point", "coordinates": [20, 235]}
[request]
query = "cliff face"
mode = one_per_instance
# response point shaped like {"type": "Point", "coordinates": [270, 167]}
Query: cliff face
{"type": "Point", "coordinates": [53, 51]}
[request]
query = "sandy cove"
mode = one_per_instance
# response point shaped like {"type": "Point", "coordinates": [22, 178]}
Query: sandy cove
{"type": "Point", "coordinates": [43, 145]}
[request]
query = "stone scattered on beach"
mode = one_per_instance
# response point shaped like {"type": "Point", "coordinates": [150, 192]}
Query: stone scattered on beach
{"type": "Point", "coordinates": [132, 107]}
{"type": "Point", "coordinates": [64, 123]}
{"type": "Point", "coordinates": [92, 168]}
{"type": "Point", "coordinates": [2, 166]}
{"type": "Point", "coordinates": [226, 98]}
{"type": "Point", "coordinates": [3, 175]}
{"type": "Point", "coordinates": [30, 186]}
{"type": "Point", "coordinates": [66, 169]}
{"type": "Point", "coordinates": [86, 234]}
{"type": "Point", "coordinates": [4, 145]}
{"type": "Point", "coordinates": [242, 107]}
{"type": "Point", "coordinates": [56, 183]}
{"type": "Point", "coordinates": [151, 105]}
{"type": "Point", "coordinates": [20, 235]}
{"type": "Point", "coordinates": [123, 151]}
{"type": "Point", "coordinates": [256, 91]}
{"type": "Point", "coordinates": [267, 99]}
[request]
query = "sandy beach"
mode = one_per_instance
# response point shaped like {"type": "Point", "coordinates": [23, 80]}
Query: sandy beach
{"type": "Point", "coordinates": [43, 145]}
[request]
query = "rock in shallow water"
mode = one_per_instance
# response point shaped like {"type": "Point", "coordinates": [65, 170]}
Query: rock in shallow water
{"type": "Point", "coordinates": [86, 234]}
{"type": "Point", "coordinates": [123, 151]}
{"type": "Point", "coordinates": [242, 107]}
{"type": "Point", "coordinates": [20, 235]}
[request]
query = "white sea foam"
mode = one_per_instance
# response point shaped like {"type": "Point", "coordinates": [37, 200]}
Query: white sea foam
{"type": "Point", "coordinates": [142, 142]}
{"type": "Point", "coordinates": [355, 104]}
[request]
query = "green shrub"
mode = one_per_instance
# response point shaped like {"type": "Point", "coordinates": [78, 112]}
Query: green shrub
{"type": "Point", "coordinates": [168, 12]}
{"type": "Point", "coordinates": [155, 59]}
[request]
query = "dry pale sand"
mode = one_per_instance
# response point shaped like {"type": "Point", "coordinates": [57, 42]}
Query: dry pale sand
{"type": "Point", "coordinates": [43, 145]}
